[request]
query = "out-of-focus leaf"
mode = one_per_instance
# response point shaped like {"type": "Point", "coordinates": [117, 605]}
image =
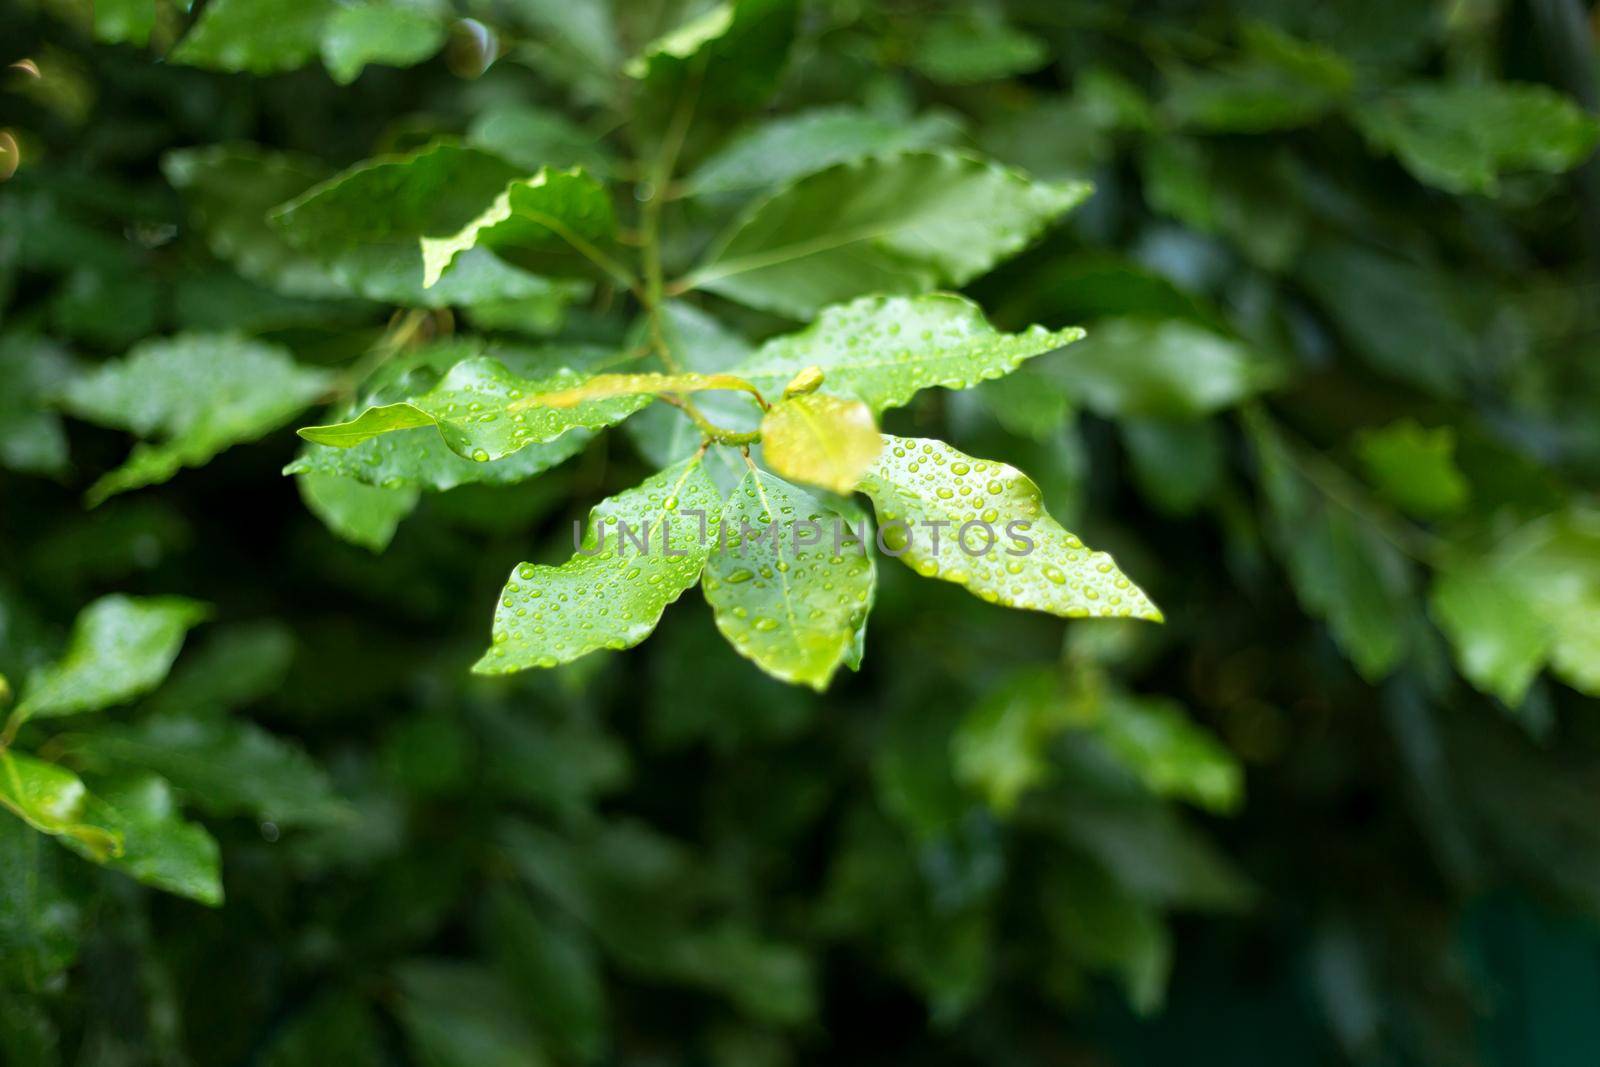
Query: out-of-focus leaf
{"type": "Point", "coordinates": [982, 525]}
{"type": "Point", "coordinates": [1001, 746]}
{"type": "Point", "coordinates": [237, 665]}
{"type": "Point", "coordinates": [551, 218]}
{"type": "Point", "coordinates": [1414, 468]}
{"type": "Point", "coordinates": [1534, 599]}
{"type": "Point", "coordinates": [390, 34]}
{"type": "Point", "coordinates": [1102, 926]}
{"type": "Point", "coordinates": [554, 968]}
{"type": "Point", "coordinates": [230, 189]}
{"type": "Point", "coordinates": [121, 647]}
{"type": "Point", "coordinates": [786, 593]}
{"type": "Point", "coordinates": [159, 847]}
{"type": "Point", "coordinates": [199, 394]}
{"type": "Point", "coordinates": [1343, 569]}
{"type": "Point", "coordinates": [1281, 83]}
{"type": "Point", "coordinates": [574, 43]}
{"type": "Point", "coordinates": [725, 57]}
{"type": "Point", "coordinates": [226, 766]}
{"type": "Point", "coordinates": [967, 47]}
{"type": "Point", "coordinates": [124, 21]}
{"type": "Point", "coordinates": [901, 224]}
{"type": "Point", "coordinates": [1160, 368]}
{"type": "Point", "coordinates": [365, 226]}
{"type": "Point", "coordinates": [338, 1027]}
{"type": "Point", "coordinates": [1178, 464]}
{"type": "Point", "coordinates": [33, 370]}
{"type": "Point", "coordinates": [820, 440]}
{"type": "Point", "coordinates": [883, 350]}
{"type": "Point", "coordinates": [1463, 137]}
{"type": "Point", "coordinates": [534, 137]}
{"type": "Point", "coordinates": [39, 917]}
{"type": "Point", "coordinates": [365, 515]}
{"type": "Point", "coordinates": [1155, 739]}
{"type": "Point", "coordinates": [462, 1015]}
{"type": "Point", "coordinates": [782, 149]}
{"type": "Point", "coordinates": [614, 591]}
{"type": "Point", "coordinates": [54, 801]}
{"type": "Point", "coordinates": [244, 35]}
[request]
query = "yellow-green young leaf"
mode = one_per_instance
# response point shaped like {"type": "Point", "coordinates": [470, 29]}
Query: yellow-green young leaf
{"type": "Point", "coordinates": [982, 525]}
{"type": "Point", "coordinates": [54, 801]}
{"type": "Point", "coordinates": [159, 847]}
{"type": "Point", "coordinates": [900, 224]}
{"type": "Point", "coordinates": [1414, 468]}
{"type": "Point", "coordinates": [787, 590]}
{"type": "Point", "coordinates": [1534, 600]}
{"type": "Point", "coordinates": [197, 394]}
{"type": "Point", "coordinates": [883, 350]}
{"type": "Point", "coordinates": [1464, 137]}
{"type": "Point", "coordinates": [643, 548]}
{"type": "Point", "coordinates": [546, 222]}
{"type": "Point", "coordinates": [609, 386]}
{"type": "Point", "coordinates": [365, 515]}
{"type": "Point", "coordinates": [393, 35]}
{"type": "Point", "coordinates": [364, 227]}
{"type": "Point", "coordinates": [121, 647]}
{"type": "Point", "coordinates": [475, 408]}
{"type": "Point", "coordinates": [820, 440]}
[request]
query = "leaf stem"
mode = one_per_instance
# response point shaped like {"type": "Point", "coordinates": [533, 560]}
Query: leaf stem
{"type": "Point", "coordinates": [713, 433]}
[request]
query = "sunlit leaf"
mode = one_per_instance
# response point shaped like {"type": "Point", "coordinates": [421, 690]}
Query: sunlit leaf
{"type": "Point", "coordinates": [820, 440]}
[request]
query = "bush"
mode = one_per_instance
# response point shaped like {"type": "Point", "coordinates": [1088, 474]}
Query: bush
{"type": "Point", "coordinates": [1284, 310]}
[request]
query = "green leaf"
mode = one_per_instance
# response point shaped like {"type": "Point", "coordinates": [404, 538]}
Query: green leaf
{"type": "Point", "coordinates": [39, 917]}
{"type": "Point", "coordinates": [54, 801]}
{"type": "Point", "coordinates": [124, 21]}
{"type": "Point", "coordinates": [476, 408]}
{"type": "Point", "coordinates": [1414, 468]}
{"type": "Point", "coordinates": [1343, 569]}
{"type": "Point", "coordinates": [121, 648]}
{"type": "Point", "coordinates": [820, 440]}
{"type": "Point", "coordinates": [245, 35]}
{"type": "Point", "coordinates": [1155, 739]}
{"type": "Point", "coordinates": [159, 847]}
{"type": "Point", "coordinates": [1402, 318]}
{"type": "Point", "coordinates": [199, 393]}
{"type": "Point", "coordinates": [461, 1015]}
{"type": "Point", "coordinates": [535, 137]}
{"type": "Point", "coordinates": [1533, 600]}
{"type": "Point", "coordinates": [365, 515]}
{"type": "Point", "coordinates": [1179, 465]}
{"type": "Point", "coordinates": [780, 150]}
{"type": "Point", "coordinates": [420, 458]}
{"type": "Point", "coordinates": [729, 56]}
{"type": "Point", "coordinates": [1099, 923]}
{"type": "Point", "coordinates": [33, 370]}
{"type": "Point", "coordinates": [884, 350]}
{"type": "Point", "coordinates": [230, 189]}
{"type": "Point", "coordinates": [544, 219]}
{"type": "Point", "coordinates": [1000, 748]}
{"type": "Point", "coordinates": [573, 43]}
{"type": "Point", "coordinates": [969, 47]}
{"type": "Point", "coordinates": [902, 224]}
{"type": "Point", "coordinates": [927, 493]}
{"type": "Point", "coordinates": [1159, 368]}
{"type": "Point", "coordinates": [612, 593]}
{"type": "Point", "coordinates": [338, 1027]}
{"type": "Point", "coordinates": [556, 971]}
{"type": "Point", "coordinates": [393, 35]}
{"type": "Point", "coordinates": [786, 590]}
{"type": "Point", "coordinates": [365, 225]}
{"type": "Point", "coordinates": [1280, 84]}
{"type": "Point", "coordinates": [225, 766]}
{"type": "Point", "coordinates": [1465, 137]}
{"type": "Point", "coordinates": [239, 664]}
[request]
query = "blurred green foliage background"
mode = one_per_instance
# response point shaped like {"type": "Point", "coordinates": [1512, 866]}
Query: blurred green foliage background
{"type": "Point", "coordinates": [1338, 412]}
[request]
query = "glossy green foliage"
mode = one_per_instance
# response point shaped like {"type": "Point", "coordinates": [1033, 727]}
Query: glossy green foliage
{"type": "Point", "coordinates": [1272, 322]}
